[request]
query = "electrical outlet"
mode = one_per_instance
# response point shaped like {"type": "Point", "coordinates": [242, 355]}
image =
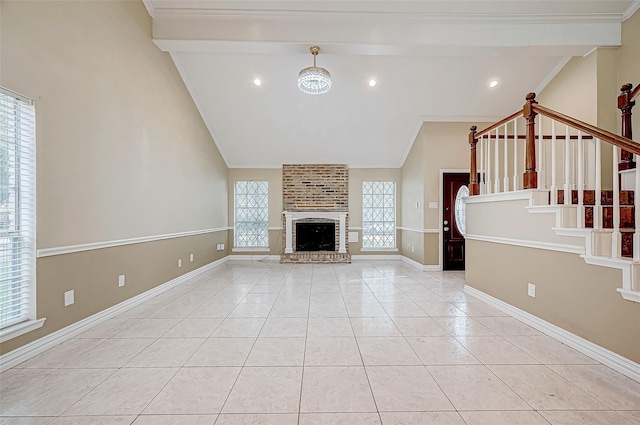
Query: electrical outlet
{"type": "Point", "coordinates": [190, 257]}
{"type": "Point", "coordinates": [221, 247]}
{"type": "Point", "coordinates": [179, 262]}
{"type": "Point", "coordinates": [120, 281]}
{"type": "Point", "coordinates": [69, 298]}
{"type": "Point", "coordinates": [531, 290]}
{"type": "Point", "coordinates": [412, 249]}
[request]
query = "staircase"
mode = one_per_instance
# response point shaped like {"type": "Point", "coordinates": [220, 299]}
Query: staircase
{"type": "Point", "coordinates": [627, 214]}
{"type": "Point", "coordinates": [559, 155]}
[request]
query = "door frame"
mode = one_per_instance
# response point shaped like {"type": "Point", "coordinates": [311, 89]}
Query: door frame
{"type": "Point", "coordinates": [443, 171]}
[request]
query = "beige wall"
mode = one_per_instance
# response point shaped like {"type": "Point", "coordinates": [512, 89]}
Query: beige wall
{"type": "Point", "coordinates": [94, 277]}
{"type": "Point", "coordinates": [489, 219]}
{"type": "Point", "coordinates": [122, 152]}
{"type": "Point", "coordinates": [274, 177]}
{"type": "Point", "coordinates": [119, 140]}
{"type": "Point", "coordinates": [356, 177]}
{"type": "Point", "coordinates": [446, 148]}
{"type": "Point", "coordinates": [412, 217]}
{"type": "Point", "coordinates": [587, 89]}
{"type": "Point", "coordinates": [438, 146]}
{"type": "Point", "coordinates": [573, 91]}
{"type": "Point", "coordinates": [629, 62]}
{"type": "Point", "coordinates": [569, 293]}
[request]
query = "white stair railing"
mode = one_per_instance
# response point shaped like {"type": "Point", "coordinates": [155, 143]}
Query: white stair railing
{"type": "Point", "coordinates": [576, 155]}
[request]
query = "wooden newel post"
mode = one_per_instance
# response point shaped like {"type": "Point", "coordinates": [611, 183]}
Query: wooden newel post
{"type": "Point", "coordinates": [625, 104]}
{"type": "Point", "coordinates": [530, 177]}
{"type": "Point", "coordinates": [474, 189]}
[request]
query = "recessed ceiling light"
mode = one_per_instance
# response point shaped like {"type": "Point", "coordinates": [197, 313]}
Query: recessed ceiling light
{"type": "Point", "coordinates": [372, 83]}
{"type": "Point", "coordinates": [257, 82]}
{"type": "Point", "coordinates": [493, 83]}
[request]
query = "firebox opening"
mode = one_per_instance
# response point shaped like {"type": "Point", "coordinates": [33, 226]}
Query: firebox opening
{"type": "Point", "coordinates": [315, 236]}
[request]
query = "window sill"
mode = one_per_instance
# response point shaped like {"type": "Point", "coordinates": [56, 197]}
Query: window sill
{"type": "Point", "coordinates": [380, 249]}
{"type": "Point", "coordinates": [250, 249]}
{"type": "Point", "coordinates": [21, 328]}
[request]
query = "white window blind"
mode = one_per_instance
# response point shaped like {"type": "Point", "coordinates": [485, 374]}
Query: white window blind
{"type": "Point", "coordinates": [251, 218]}
{"type": "Point", "coordinates": [17, 209]}
{"type": "Point", "coordinates": [378, 215]}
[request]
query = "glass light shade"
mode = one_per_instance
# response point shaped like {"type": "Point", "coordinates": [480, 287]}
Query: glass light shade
{"type": "Point", "coordinates": [314, 80]}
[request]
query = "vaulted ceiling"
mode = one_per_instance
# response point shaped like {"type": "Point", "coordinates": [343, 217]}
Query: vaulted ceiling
{"type": "Point", "coordinates": [432, 61]}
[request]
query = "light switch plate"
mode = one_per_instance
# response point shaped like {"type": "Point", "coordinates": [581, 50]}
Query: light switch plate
{"type": "Point", "coordinates": [69, 298]}
{"type": "Point", "coordinates": [121, 281]}
{"type": "Point", "coordinates": [433, 205]}
{"type": "Point", "coordinates": [531, 290]}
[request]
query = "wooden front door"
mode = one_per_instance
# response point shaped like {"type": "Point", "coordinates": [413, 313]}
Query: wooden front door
{"type": "Point", "coordinates": [453, 236]}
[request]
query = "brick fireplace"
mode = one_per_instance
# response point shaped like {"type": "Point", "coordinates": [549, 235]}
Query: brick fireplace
{"type": "Point", "coordinates": [315, 193]}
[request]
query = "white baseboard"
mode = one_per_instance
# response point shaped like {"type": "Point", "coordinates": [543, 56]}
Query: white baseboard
{"type": "Point", "coordinates": [40, 345]}
{"type": "Point", "coordinates": [376, 257]}
{"type": "Point", "coordinates": [249, 257]}
{"type": "Point", "coordinates": [606, 357]}
{"type": "Point", "coordinates": [423, 267]}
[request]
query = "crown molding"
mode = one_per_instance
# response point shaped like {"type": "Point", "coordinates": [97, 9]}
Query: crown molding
{"type": "Point", "coordinates": [629, 11]}
{"type": "Point", "coordinates": [151, 10]}
{"type": "Point", "coordinates": [380, 16]}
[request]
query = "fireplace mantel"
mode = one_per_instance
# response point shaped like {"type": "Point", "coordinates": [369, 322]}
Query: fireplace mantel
{"type": "Point", "coordinates": [291, 216]}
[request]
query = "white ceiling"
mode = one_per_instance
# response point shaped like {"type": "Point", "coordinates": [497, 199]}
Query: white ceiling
{"type": "Point", "coordinates": [433, 61]}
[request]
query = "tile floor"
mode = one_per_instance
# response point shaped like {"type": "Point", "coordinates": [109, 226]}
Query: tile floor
{"type": "Point", "coordinates": [367, 343]}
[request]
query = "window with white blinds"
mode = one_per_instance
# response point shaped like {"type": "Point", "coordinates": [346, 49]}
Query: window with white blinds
{"type": "Point", "coordinates": [17, 209]}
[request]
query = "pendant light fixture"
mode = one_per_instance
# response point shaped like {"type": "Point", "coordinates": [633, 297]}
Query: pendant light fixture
{"type": "Point", "coordinates": [314, 80]}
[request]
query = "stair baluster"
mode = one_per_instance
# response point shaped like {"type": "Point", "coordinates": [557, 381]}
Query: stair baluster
{"type": "Point", "coordinates": [597, 208]}
{"type": "Point", "coordinates": [567, 166]}
{"type": "Point", "coordinates": [505, 184]}
{"type": "Point", "coordinates": [496, 163]}
{"type": "Point", "coordinates": [515, 155]}
{"type": "Point", "coordinates": [616, 237]}
{"type": "Point", "coordinates": [541, 153]}
{"type": "Point", "coordinates": [554, 182]}
{"type": "Point", "coordinates": [581, 208]}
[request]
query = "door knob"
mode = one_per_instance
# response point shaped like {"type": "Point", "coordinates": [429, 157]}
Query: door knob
{"type": "Point", "coordinates": [446, 222]}
{"type": "Point", "coordinates": [446, 229]}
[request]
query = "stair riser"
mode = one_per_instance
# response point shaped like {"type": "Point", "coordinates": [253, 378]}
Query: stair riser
{"type": "Point", "coordinates": [626, 197]}
{"type": "Point", "coordinates": [627, 217]}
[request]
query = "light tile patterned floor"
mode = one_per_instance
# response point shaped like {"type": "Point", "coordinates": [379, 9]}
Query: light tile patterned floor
{"type": "Point", "coordinates": [368, 343]}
